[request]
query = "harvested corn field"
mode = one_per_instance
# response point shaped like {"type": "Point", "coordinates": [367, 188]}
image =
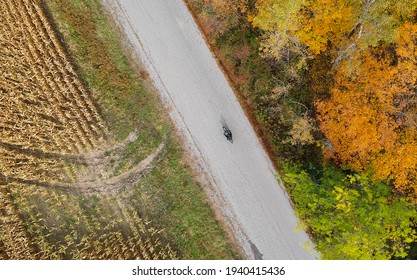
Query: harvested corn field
{"type": "Point", "coordinates": [46, 100]}
{"type": "Point", "coordinates": [100, 232]}
{"type": "Point", "coordinates": [46, 113]}
{"type": "Point", "coordinates": [53, 137]}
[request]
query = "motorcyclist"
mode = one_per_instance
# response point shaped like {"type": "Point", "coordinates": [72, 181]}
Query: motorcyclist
{"type": "Point", "coordinates": [228, 134]}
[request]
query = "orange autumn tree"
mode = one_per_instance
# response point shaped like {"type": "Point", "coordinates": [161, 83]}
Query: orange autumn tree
{"type": "Point", "coordinates": [370, 119]}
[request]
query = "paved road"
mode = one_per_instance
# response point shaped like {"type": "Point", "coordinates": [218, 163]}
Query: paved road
{"type": "Point", "coordinates": [168, 42]}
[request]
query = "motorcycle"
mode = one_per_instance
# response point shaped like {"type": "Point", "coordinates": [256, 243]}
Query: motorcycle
{"type": "Point", "coordinates": [228, 134]}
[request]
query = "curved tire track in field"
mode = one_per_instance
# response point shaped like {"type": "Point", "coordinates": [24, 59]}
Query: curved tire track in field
{"type": "Point", "coordinates": [107, 186]}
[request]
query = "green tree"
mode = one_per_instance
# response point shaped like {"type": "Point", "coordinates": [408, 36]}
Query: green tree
{"type": "Point", "coordinates": [352, 217]}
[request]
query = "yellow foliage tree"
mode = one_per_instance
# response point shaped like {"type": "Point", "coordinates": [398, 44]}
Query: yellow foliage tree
{"type": "Point", "coordinates": [335, 26]}
{"type": "Point", "coordinates": [280, 22]}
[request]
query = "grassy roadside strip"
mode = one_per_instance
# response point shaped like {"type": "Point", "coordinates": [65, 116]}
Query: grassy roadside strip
{"type": "Point", "coordinates": [169, 195]}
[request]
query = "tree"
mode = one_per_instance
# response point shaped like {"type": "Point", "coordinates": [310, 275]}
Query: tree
{"type": "Point", "coordinates": [302, 131]}
{"type": "Point", "coordinates": [327, 23]}
{"type": "Point", "coordinates": [279, 20]}
{"type": "Point", "coordinates": [337, 26]}
{"type": "Point", "coordinates": [351, 217]}
{"type": "Point", "coordinates": [370, 119]}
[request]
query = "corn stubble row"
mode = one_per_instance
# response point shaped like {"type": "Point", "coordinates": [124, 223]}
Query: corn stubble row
{"type": "Point", "coordinates": [46, 110]}
{"type": "Point", "coordinates": [106, 231]}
